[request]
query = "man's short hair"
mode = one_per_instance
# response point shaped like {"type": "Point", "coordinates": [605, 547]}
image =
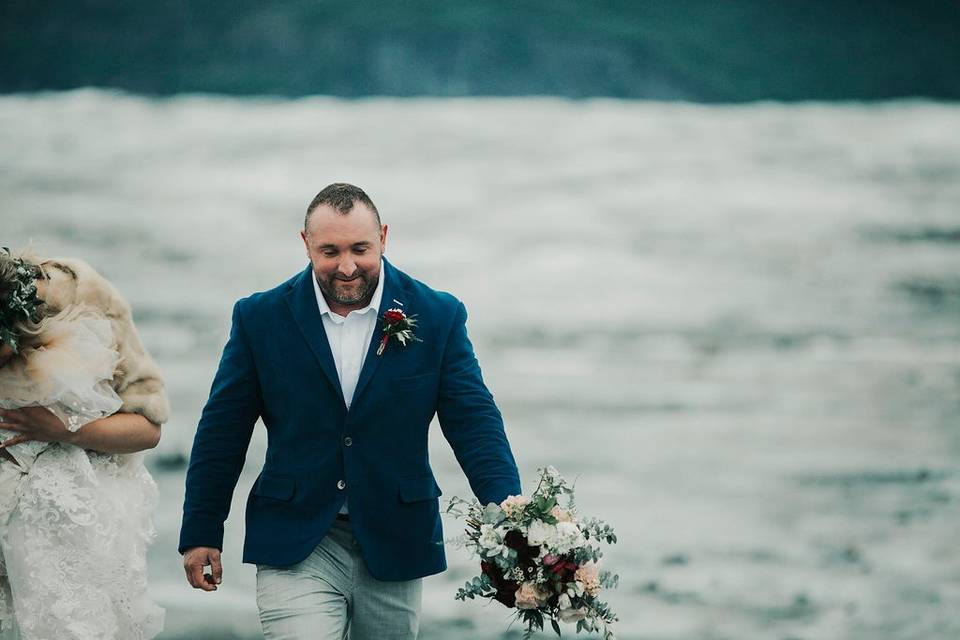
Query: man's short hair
{"type": "Point", "coordinates": [341, 197]}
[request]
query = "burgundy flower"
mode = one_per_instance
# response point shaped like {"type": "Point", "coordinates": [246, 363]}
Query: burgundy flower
{"type": "Point", "coordinates": [508, 596]}
{"type": "Point", "coordinates": [515, 540]}
{"type": "Point", "coordinates": [492, 571]}
{"type": "Point", "coordinates": [565, 570]}
{"type": "Point", "coordinates": [398, 324]}
{"type": "Point", "coordinates": [393, 316]}
{"type": "Point", "coordinates": [506, 589]}
{"type": "Point", "coordinates": [526, 553]}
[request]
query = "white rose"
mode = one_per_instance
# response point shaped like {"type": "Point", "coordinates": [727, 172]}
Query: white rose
{"type": "Point", "coordinates": [540, 533]}
{"type": "Point", "coordinates": [490, 540]}
{"type": "Point", "coordinates": [568, 537]}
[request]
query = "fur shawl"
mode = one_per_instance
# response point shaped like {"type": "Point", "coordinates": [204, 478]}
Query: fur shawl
{"type": "Point", "coordinates": [137, 379]}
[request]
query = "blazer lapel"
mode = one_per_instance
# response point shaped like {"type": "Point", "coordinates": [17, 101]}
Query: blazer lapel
{"type": "Point", "coordinates": [391, 292]}
{"type": "Point", "coordinates": [302, 301]}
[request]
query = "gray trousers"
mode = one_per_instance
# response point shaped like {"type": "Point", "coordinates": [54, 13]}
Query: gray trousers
{"type": "Point", "coordinates": [331, 596]}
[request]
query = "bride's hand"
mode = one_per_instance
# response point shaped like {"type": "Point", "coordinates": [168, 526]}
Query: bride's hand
{"type": "Point", "coordinates": [34, 423]}
{"type": "Point", "coordinates": [9, 442]}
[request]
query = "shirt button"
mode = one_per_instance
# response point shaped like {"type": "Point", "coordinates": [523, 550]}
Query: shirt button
{"type": "Point", "coordinates": [341, 485]}
{"type": "Point", "coordinates": [347, 441]}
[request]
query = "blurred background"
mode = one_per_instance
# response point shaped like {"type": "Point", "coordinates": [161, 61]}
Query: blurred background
{"type": "Point", "coordinates": [710, 253]}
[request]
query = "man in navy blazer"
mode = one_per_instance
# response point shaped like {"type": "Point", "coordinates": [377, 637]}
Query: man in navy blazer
{"type": "Point", "coordinates": [344, 520]}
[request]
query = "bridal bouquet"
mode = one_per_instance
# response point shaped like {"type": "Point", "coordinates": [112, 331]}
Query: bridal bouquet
{"type": "Point", "coordinates": [538, 557]}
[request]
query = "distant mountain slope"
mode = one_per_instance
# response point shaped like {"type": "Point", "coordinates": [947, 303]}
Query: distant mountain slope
{"type": "Point", "coordinates": [664, 49]}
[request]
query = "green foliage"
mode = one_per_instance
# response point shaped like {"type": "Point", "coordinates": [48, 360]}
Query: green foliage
{"type": "Point", "coordinates": [609, 580]}
{"type": "Point", "coordinates": [545, 503]}
{"type": "Point", "coordinates": [479, 586]}
{"type": "Point", "coordinates": [459, 507]}
{"type": "Point", "coordinates": [18, 297]}
{"type": "Point", "coordinates": [599, 530]}
{"type": "Point", "coordinates": [492, 514]}
{"type": "Point", "coordinates": [533, 619]}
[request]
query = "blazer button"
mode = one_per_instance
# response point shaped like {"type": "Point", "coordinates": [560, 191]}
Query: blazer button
{"type": "Point", "coordinates": [341, 484]}
{"type": "Point", "coordinates": [347, 441]}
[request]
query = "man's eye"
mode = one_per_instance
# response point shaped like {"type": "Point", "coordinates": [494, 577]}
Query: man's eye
{"type": "Point", "coordinates": [329, 254]}
{"type": "Point", "coordinates": [360, 249]}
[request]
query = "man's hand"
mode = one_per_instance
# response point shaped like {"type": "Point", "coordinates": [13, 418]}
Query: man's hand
{"type": "Point", "coordinates": [195, 559]}
{"type": "Point", "coordinates": [34, 423]}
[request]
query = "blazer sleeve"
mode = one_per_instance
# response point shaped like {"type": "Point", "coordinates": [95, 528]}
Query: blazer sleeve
{"type": "Point", "coordinates": [471, 421]}
{"type": "Point", "coordinates": [220, 444]}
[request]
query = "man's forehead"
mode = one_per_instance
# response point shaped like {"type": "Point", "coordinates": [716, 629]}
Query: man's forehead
{"type": "Point", "coordinates": [324, 244]}
{"type": "Point", "coordinates": [325, 218]}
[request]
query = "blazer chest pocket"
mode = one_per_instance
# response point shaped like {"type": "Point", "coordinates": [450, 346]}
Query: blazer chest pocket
{"type": "Point", "coordinates": [275, 487]}
{"type": "Point", "coordinates": [418, 489]}
{"type": "Point", "coordinates": [406, 383]}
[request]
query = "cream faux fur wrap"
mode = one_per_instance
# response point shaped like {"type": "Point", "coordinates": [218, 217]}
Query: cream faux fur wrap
{"type": "Point", "coordinates": [137, 379]}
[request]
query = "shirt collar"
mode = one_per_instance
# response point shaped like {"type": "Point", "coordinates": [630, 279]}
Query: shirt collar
{"type": "Point", "coordinates": [374, 301]}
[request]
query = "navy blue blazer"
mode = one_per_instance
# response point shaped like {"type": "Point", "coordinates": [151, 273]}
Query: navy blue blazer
{"type": "Point", "coordinates": [277, 365]}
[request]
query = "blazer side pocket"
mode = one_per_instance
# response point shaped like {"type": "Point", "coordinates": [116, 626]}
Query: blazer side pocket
{"type": "Point", "coordinates": [275, 487]}
{"type": "Point", "coordinates": [418, 489]}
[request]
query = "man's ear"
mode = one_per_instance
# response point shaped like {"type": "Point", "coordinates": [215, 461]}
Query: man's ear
{"type": "Point", "coordinates": [306, 245]}
{"type": "Point", "coordinates": [383, 239]}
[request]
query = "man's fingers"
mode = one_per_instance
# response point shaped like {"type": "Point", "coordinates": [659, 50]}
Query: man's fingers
{"type": "Point", "coordinates": [215, 567]}
{"type": "Point", "coordinates": [188, 570]}
{"type": "Point", "coordinates": [193, 564]}
{"type": "Point", "coordinates": [189, 574]}
{"type": "Point", "coordinates": [196, 578]}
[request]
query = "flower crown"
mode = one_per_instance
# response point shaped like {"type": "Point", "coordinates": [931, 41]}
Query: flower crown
{"type": "Point", "coordinates": [18, 297]}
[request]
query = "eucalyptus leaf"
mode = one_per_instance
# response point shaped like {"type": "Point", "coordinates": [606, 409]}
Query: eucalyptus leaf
{"type": "Point", "coordinates": [492, 513]}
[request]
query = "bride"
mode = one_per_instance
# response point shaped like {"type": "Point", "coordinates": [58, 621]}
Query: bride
{"type": "Point", "coordinates": [79, 398]}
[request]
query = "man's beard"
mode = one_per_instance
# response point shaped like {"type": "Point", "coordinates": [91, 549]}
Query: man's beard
{"type": "Point", "coordinates": [341, 295]}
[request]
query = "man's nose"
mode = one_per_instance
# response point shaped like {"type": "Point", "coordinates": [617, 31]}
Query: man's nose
{"type": "Point", "coordinates": [347, 267]}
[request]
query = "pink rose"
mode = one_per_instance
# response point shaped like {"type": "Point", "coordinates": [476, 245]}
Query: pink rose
{"type": "Point", "coordinates": [562, 515]}
{"type": "Point", "coordinates": [514, 505]}
{"type": "Point", "coordinates": [529, 596]}
{"type": "Point", "coordinates": [588, 575]}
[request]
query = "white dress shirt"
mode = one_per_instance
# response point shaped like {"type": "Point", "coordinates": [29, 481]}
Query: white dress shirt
{"type": "Point", "coordinates": [349, 338]}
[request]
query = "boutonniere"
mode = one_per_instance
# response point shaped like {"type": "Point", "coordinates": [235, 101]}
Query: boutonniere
{"type": "Point", "coordinates": [397, 323]}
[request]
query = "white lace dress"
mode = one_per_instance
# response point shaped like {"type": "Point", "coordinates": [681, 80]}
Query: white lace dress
{"type": "Point", "coordinates": [74, 524]}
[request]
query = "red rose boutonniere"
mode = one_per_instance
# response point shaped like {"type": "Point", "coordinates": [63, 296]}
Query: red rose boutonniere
{"type": "Point", "coordinates": [397, 323]}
